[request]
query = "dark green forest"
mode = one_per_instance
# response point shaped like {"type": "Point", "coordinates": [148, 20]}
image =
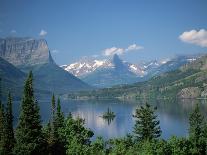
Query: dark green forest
{"type": "Point", "coordinates": [68, 135]}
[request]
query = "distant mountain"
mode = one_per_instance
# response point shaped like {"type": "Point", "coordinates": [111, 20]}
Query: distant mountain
{"type": "Point", "coordinates": [12, 79]}
{"type": "Point", "coordinates": [33, 54]}
{"type": "Point", "coordinates": [88, 65]}
{"type": "Point", "coordinates": [188, 81]}
{"type": "Point", "coordinates": [106, 72]}
{"type": "Point", "coordinates": [114, 71]}
{"type": "Point", "coordinates": [155, 67]}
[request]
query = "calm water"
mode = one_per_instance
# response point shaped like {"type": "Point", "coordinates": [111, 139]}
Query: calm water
{"type": "Point", "coordinates": [173, 116]}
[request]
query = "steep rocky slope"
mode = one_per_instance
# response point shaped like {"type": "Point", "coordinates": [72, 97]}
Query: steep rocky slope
{"type": "Point", "coordinates": [33, 54]}
{"type": "Point", "coordinates": [11, 79]}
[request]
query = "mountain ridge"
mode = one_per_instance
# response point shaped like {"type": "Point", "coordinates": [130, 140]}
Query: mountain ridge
{"type": "Point", "coordinates": [28, 54]}
{"type": "Point", "coordinates": [188, 81]}
{"type": "Point", "coordinates": [114, 71]}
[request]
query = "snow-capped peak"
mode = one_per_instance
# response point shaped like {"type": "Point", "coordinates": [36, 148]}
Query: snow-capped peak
{"type": "Point", "coordinates": [86, 66]}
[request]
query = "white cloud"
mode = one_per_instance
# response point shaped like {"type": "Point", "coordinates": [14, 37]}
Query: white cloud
{"type": "Point", "coordinates": [55, 51]}
{"type": "Point", "coordinates": [43, 33]}
{"type": "Point", "coordinates": [114, 50]}
{"type": "Point", "coordinates": [195, 37]}
{"type": "Point", "coordinates": [134, 47]}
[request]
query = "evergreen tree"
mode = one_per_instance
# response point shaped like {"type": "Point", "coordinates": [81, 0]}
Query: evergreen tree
{"type": "Point", "coordinates": [59, 117]}
{"type": "Point", "coordinates": [76, 136]}
{"type": "Point", "coordinates": [146, 126]}
{"type": "Point", "coordinates": [9, 132]}
{"type": "Point", "coordinates": [205, 136]}
{"type": "Point", "coordinates": [29, 137]}
{"type": "Point", "coordinates": [56, 144]}
{"type": "Point", "coordinates": [2, 130]}
{"type": "Point", "coordinates": [53, 133]}
{"type": "Point", "coordinates": [53, 107]}
{"type": "Point", "coordinates": [196, 122]}
{"type": "Point", "coordinates": [0, 88]}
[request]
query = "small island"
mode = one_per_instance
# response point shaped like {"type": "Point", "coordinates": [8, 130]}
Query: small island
{"type": "Point", "coordinates": [109, 114]}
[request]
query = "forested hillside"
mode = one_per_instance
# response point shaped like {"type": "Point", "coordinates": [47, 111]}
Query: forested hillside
{"type": "Point", "coordinates": [189, 81]}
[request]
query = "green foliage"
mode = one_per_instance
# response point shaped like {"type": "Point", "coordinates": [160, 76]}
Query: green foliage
{"type": "Point", "coordinates": [146, 126]}
{"type": "Point", "coordinates": [9, 132]}
{"type": "Point", "coordinates": [179, 146]}
{"type": "Point", "coordinates": [59, 116]}
{"type": "Point", "coordinates": [53, 130]}
{"type": "Point", "coordinates": [7, 140]}
{"type": "Point", "coordinates": [196, 131]}
{"type": "Point", "coordinates": [2, 130]}
{"type": "Point", "coordinates": [109, 114]}
{"type": "Point", "coordinates": [55, 142]}
{"type": "Point", "coordinates": [121, 145]}
{"type": "Point", "coordinates": [204, 137]}
{"type": "Point", "coordinates": [98, 146]}
{"type": "Point", "coordinates": [77, 137]}
{"type": "Point", "coordinates": [29, 135]}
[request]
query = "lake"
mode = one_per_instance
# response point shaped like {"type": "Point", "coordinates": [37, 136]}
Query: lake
{"type": "Point", "coordinates": [173, 116]}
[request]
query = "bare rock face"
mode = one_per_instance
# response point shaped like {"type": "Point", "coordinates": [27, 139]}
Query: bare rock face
{"type": "Point", "coordinates": [190, 92]}
{"type": "Point", "coordinates": [25, 51]}
{"type": "Point", "coordinates": [33, 54]}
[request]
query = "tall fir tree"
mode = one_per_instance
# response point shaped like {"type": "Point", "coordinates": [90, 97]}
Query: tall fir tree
{"type": "Point", "coordinates": [53, 110]}
{"type": "Point", "coordinates": [59, 116]}
{"type": "Point", "coordinates": [56, 145]}
{"type": "Point", "coordinates": [0, 89]}
{"type": "Point", "coordinates": [9, 131]}
{"type": "Point", "coordinates": [196, 130]}
{"type": "Point", "coordinates": [29, 137]}
{"type": "Point", "coordinates": [2, 130]}
{"type": "Point", "coordinates": [146, 125]}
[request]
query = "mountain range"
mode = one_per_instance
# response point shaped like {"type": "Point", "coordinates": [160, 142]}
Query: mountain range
{"type": "Point", "coordinates": [114, 71]}
{"type": "Point", "coordinates": [20, 55]}
{"type": "Point", "coordinates": [187, 81]}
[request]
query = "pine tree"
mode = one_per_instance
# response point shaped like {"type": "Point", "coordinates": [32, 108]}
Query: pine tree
{"type": "Point", "coordinates": [53, 107]}
{"type": "Point", "coordinates": [2, 130]}
{"type": "Point", "coordinates": [53, 132]}
{"type": "Point", "coordinates": [29, 137]}
{"type": "Point", "coordinates": [56, 144]}
{"type": "Point", "coordinates": [9, 131]}
{"type": "Point", "coordinates": [0, 88]}
{"type": "Point", "coordinates": [196, 129]}
{"type": "Point", "coordinates": [59, 117]}
{"type": "Point", "coordinates": [77, 137]}
{"type": "Point", "coordinates": [146, 126]}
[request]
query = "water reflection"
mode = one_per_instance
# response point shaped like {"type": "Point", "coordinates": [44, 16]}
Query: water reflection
{"type": "Point", "coordinates": [173, 115]}
{"type": "Point", "coordinates": [108, 120]}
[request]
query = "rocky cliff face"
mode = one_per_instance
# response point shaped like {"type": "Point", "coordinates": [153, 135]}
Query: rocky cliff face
{"type": "Point", "coordinates": [190, 92]}
{"type": "Point", "coordinates": [33, 54]}
{"type": "Point", "coordinates": [25, 51]}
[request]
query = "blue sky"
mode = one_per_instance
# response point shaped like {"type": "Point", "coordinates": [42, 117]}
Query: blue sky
{"type": "Point", "coordinates": [135, 29]}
